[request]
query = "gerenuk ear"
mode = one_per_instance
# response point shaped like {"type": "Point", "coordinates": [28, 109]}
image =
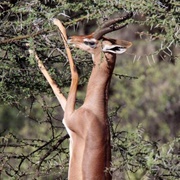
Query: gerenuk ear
{"type": "Point", "coordinates": [115, 49]}
{"type": "Point", "coordinates": [118, 47]}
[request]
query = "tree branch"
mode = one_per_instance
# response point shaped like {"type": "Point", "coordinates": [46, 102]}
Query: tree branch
{"type": "Point", "coordinates": [61, 98]}
{"type": "Point", "coordinates": [18, 38]}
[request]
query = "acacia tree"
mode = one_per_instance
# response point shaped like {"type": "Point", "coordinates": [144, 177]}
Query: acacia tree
{"type": "Point", "coordinates": [36, 138]}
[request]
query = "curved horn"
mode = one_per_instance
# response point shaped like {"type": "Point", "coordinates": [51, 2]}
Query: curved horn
{"type": "Point", "coordinates": [110, 26]}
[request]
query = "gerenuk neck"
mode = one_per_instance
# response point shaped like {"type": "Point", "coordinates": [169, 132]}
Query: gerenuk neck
{"type": "Point", "coordinates": [98, 85]}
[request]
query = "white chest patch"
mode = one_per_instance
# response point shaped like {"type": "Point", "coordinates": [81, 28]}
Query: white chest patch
{"type": "Point", "coordinates": [70, 135]}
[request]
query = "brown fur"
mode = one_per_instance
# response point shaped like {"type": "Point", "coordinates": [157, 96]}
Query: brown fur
{"type": "Point", "coordinates": [88, 126]}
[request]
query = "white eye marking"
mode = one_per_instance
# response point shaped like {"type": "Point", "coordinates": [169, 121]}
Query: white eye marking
{"type": "Point", "coordinates": [90, 42]}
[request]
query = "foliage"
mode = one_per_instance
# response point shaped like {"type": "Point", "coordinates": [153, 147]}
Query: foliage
{"type": "Point", "coordinates": [151, 100]}
{"type": "Point", "coordinates": [31, 19]}
{"type": "Point", "coordinates": [33, 139]}
{"type": "Point", "coordinates": [140, 159]}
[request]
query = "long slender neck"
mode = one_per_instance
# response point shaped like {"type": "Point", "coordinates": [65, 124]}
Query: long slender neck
{"type": "Point", "coordinates": [98, 85]}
